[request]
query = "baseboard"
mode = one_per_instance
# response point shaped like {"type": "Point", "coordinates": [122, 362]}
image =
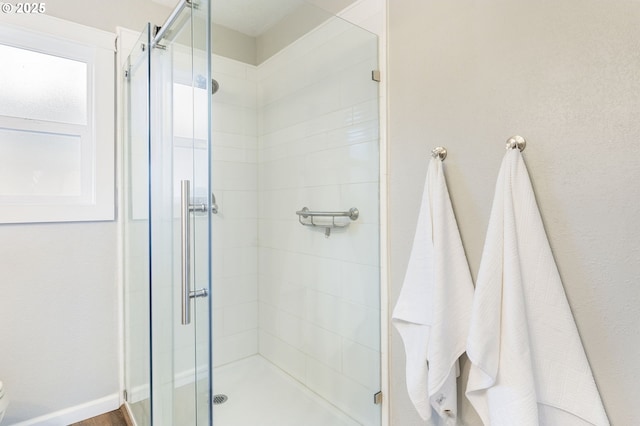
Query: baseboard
{"type": "Point", "coordinates": [76, 413]}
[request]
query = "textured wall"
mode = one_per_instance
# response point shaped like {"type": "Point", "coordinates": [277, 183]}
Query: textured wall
{"type": "Point", "coordinates": [58, 316]}
{"type": "Point", "coordinates": [564, 75]}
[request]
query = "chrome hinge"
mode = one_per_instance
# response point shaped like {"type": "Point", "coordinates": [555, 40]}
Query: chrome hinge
{"type": "Point", "coordinates": [377, 398]}
{"type": "Point", "coordinates": [124, 395]}
{"type": "Point", "coordinates": [375, 75]}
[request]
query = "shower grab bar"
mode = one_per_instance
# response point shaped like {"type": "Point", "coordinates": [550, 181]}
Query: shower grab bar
{"type": "Point", "coordinates": [352, 214]}
{"type": "Point", "coordinates": [185, 233]}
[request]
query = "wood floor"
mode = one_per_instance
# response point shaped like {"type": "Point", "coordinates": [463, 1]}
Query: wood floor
{"type": "Point", "coordinates": [112, 418]}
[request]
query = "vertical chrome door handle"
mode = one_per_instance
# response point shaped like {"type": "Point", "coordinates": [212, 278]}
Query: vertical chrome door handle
{"type": "Point", "coordinates": [185, 233]}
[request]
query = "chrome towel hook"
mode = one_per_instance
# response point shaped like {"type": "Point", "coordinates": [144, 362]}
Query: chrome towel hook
{"type": "Point", "coordinates": [516, 141]}
{"type": "Point", "coordinates": [439, 152]}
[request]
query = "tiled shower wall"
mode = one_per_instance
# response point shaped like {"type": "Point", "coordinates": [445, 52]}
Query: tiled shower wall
{"type": "Point", "coordinates": [234, 228]}
{"type": "Point", "coordinates": [300, 130]}
{"type": "Point", "coordinates": [318, 147]}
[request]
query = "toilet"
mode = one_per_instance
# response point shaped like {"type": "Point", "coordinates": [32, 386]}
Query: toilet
{"type": "Point", "coordinates": [4, 402]}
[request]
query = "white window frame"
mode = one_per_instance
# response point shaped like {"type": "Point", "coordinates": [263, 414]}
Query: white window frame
{"type": "Point", "coordinates": [96, 48]}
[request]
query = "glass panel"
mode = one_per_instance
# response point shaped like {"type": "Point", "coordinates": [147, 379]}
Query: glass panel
{"type": "Point", "coordinates": [296, 125]}
{"type": "Point", "coordinates": [179, 154]}
{"type": "Point", "coordinates": [40, 164]}
{"type": "Point", "coordinates": [136, 234]}
{"type": "Point", "coordinates": [200, 81]}
{"type": "Point", "coordinates": [42, 87]}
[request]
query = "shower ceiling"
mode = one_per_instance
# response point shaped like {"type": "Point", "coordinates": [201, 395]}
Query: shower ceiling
{"type": "Point", "coordinates": [253, 17]}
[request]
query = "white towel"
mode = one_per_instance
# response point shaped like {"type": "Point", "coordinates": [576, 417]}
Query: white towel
{"type": "Point", "coordinates": [433, 310]}
{"type": "Point", "coordinates": [528, 364]}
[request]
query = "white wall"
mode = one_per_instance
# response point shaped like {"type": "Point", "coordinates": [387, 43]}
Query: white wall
{"type": "Point", "coordinates": [59, 303]}
{"type": "Point", "coordinates": [58, 316]}
{"type": "Point", "coordinates": [318, 147]}
{"type": "Point", "coordinates": [467, 76]}
{"type": "Point", "coordinates": [58, 307]}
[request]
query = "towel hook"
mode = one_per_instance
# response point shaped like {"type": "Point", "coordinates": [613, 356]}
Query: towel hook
{"type": "Point", "coordinates": [516, 141]}
{"type": "Point", "coordinates": [439, 152]}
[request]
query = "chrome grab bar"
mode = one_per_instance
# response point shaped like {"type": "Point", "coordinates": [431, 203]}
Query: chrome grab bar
{"type": "Point", "coordinates": [352, 214]}
{"type": "Point", "coordinates": [185, 233]}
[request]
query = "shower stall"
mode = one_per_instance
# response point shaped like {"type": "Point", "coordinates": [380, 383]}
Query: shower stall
{"type": "Point", "coordinates": [251, 218]}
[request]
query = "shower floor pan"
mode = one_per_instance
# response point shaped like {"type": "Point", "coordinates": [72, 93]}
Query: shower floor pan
{"type": "Point", "coordinates": [260, 393]}
{"type": "Point", "coordinates": [257, 394]}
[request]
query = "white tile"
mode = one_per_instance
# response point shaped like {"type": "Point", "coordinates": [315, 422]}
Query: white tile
{"type": "Point", "coordinates": [223, 153]}
{"type": "Point", "coordinates": [234, 176]}
{"type": "Point", "coordinates": [278, 203]}
{"type": "Point", "coordinates": [310, 126]}
{"type": "Point", "coordinates": [237, 346]}
{"type": "Point", "coordinates": [360, 324]}
{"type": "Point", "coordinates": [282, 325]}
{"type": "Point", "coordinates": [233, 119]}
{"type": "Point", "coordinates": [367, 14]}
{"type": "Point", "coordinates": [312, 101]}
{"type": "Point", "coordinates": [363, 196]}
{"type": "Point", "coordinates": [324, 346]}
{"type": "Point", "coordinates": [227, 66]}
{"type": "Point", "coordinates": [239, 261]}
{"type": "Point", "coordinates": [270, 261]}
{"type": "Point", "coordinates": [364, 131]}
{"type": "Point", "coordinates": [366, 111]}
{"type": "Point", "coordinates": [237, 232]}
{"type": "Point", "coordinates": [240, 318]}
{"type": "Point", "coordinates": [235, 91]}
{"type": "Point", "coordinates": [283, 355]}
{"type": "Point", "coordinates": [361, 364]}
{"type": "Point", "coordinates": [218, 324]}
{"type": "Point", "coordinates": [236, 290]}
{"type": "Point", "coordinates": [326, 311]}
{"type": "Point", "coordinates": [359, 244]}
{"type": "Point", "coordinates": [284, 235]}
{"type": "Point", "coordinates": [322, 275]}
{"type": "Point", "coordinates": [346, 394]}
{"type": "Point", "coordinates": [360, 284]}
{"type": "Point", "coordinates": [356, 83]}
{"type": "Point", "coordinates": [238, 204]}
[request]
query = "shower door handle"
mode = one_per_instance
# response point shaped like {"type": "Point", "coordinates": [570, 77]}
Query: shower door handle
{"type": "Point", "coordinates": [185, 233]}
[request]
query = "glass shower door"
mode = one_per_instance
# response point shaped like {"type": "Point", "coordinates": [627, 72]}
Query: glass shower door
{"type": "Point", "coordinates": [180, 221]}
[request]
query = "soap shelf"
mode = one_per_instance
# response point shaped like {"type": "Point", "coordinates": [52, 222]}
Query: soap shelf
{"type": "Point", "coordinates": [305, 213]}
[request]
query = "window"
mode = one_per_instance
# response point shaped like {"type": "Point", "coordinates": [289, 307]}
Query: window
{"type": "Point", "coordinates": [56, 122]}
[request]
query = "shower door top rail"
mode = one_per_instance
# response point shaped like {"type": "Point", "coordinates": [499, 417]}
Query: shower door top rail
{"type": "Point", "coordinates": [170, 20]}
{"type": "Point", "coordinates": [305, 213]}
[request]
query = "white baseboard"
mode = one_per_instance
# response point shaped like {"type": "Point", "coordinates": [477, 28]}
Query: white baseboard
{"type": "Point", "coordinates": [76, 413]}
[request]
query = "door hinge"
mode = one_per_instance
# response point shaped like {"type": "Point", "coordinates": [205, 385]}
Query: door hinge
{"type": "Point", "coordinates": [375, 75]}
{"type": "Point", "coordinates": [377, 398]}
{"type": "Point", "coordinates": [124, 395]}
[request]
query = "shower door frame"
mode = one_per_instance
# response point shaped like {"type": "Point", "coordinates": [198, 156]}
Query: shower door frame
{"type": "Point", "coordinates": [180, 65]}
{"type": "Point", "coordinates": [173, 329]}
